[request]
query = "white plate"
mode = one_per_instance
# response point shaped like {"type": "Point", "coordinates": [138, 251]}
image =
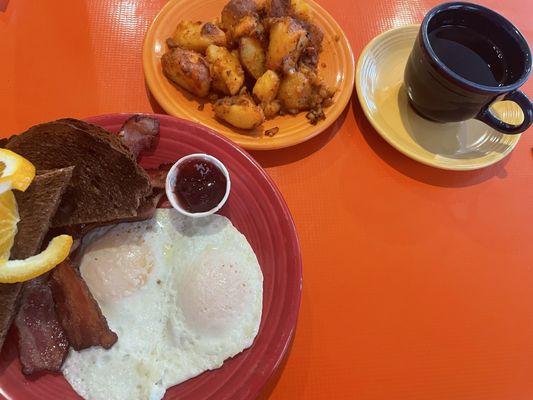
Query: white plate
{"type": "Point", "coordinates": [463, 145]}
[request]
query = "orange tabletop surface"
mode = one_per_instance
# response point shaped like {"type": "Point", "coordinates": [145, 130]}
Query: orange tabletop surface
{"type": "Point", "coordinates": [418, 283]}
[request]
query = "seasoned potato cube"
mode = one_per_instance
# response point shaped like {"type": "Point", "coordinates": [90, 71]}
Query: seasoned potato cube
{"type": "Point", "coordinates": [239, 111]}
{"type": "Point", "coordinates": [266, 88]}
{"type": "Point", "coordinates": [295, 92]}
{"type": "Point", "coordinates": [271, 109]}
{"type": "Point", "coordinates": [187, 69]}
{"type": "Point", "coordinates": [235, 10]}
{"type": "Point", "coordinates": [278, 8]}
{"type": "Point", "coordinates": [226, 71]}
{"type": "Point", "coordinates": [301, 10]}
{"type": "Point", "coordinates": [247, 26]}
{"type": "Point", "coordinates": [287, 40]}
{"type": "Point", "coordinates": [198, 35]}
{"type": "Point", "coordinates": [288, 8]}
{"type": "Point", "coordinates": [252, 56]}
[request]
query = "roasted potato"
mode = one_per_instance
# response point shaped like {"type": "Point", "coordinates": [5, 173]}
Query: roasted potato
{"type": "Point", "coordinates": [287, 40]}
{"type": "Point", "coordinates": [301, 10]}
{"type": "Point", "coordinates": [247, 26]}
{"type": "Point", "coordinates": [266, 88]}
{"type": "Point", "coordinates": [271, 109]}
{"type": "Point", "coordinates": [198, 35]}
{"type": "Point", "coordinates": [252, 56]}
{"type": "Point", "coordinates": [295, 92]}
{"type": "Point", "coordinates": [278, 8]}
{"type": "Point", "coordinates": [235, 10]}
{"type": "Point", "coordinates": [288, 8]}
{"type": "Point", "coordinates": [187, 69]}
{"type": "Point", "coordinates": [311, 54]}
{"type": "Point", "coordinates": [239, 111]}
{"type": "Point", "coordinates": [226, 71]}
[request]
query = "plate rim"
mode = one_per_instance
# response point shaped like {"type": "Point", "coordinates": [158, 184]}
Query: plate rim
{"type": "Point", "coordinates": [383, 132]}
{"type": "Point", "coordinates": [343, 100]}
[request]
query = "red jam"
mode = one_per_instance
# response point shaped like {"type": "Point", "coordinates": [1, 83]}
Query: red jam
{"type": "Point", "coordinates": [200, 185]}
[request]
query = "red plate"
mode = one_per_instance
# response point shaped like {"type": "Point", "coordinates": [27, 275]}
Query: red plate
{"type": "Point", "coordinates": [257, 209]}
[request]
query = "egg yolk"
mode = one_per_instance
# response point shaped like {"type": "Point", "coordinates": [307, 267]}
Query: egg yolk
{"type": "Point", "coordinates": [213, 293]}
{"type": "Point", "coordinates": [116, 266]}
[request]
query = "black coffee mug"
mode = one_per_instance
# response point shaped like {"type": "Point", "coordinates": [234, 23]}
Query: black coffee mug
{"type": "Point", "coordinates": [465, 58]}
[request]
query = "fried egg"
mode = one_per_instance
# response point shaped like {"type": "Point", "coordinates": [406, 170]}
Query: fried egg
{"type": "Point", "coordinates": [182, 294]}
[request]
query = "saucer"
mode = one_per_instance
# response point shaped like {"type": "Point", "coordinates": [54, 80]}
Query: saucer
{"type": "Point", "coordinates": [465, 145]}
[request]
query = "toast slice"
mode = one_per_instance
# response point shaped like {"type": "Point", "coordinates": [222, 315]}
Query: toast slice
{"type": "Point", "coordinates": [107, 183]}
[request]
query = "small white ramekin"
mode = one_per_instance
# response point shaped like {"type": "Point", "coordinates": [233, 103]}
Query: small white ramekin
{"type": "Point", "coordinates": [171, 183]}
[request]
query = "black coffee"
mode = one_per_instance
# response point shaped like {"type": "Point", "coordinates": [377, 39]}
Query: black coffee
{"type": "Point", "coordinates": [469, 54]}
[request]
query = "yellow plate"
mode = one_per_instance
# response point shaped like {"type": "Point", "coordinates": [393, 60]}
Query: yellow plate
{"type": "Point", "coordinates": [465, 145]}
{"type": "Point", "coordinates": [337, 57]}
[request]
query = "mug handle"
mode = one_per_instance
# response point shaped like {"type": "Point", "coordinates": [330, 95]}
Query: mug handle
{"type": "Point", "coordinates": [523, 102]}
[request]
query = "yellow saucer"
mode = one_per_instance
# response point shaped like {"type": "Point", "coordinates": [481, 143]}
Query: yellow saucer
{"type": "Point", "coordinates": [463, 145]}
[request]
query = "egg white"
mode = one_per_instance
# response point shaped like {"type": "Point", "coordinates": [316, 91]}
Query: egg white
{"type": "Point", "coordinates": [182, 294]}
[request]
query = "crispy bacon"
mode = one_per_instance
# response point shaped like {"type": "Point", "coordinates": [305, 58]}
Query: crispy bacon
{"type": "Point", "coordinates": [78, 311]}
{"type": "Point", "coordinates": [43, 344]}
{"type": "Point", "coordinates": [158, 176]}
{"type": "Point", "coordinates": [140, 134]}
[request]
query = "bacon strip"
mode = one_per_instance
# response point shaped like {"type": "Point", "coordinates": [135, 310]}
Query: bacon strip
{"type": "Point", "coordinates": [158, 176]}
{"type": "Point", "coordinates": [43, 344]}
{"type": "Point", "coordinates": [78, 311]}
{"type": "Point", "coordinates": [140, 134]}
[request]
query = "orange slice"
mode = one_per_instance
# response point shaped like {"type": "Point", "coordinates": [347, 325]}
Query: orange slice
{"type": "Point", "coordinates": [22, 270]}
{"type": "Point", "coordinates": [15, 171]}
{"type": "Point", "coordinates": [9, 217]}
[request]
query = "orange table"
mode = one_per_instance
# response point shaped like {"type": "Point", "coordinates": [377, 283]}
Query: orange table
{"type": "Point", "coordinates": [417, 282]}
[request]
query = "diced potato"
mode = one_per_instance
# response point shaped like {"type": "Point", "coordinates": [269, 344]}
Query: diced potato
{"type": "Point", "coordinates": [295, 92]}
{"type": "Point", "coordinates": [198, 35]}
{"type": "Point", "coordinates": [266, 88]}
{"type": "Point", "coordinates": [271, 109]}
{"type": "Point", "coordinates": [288, 8]}
{"type": "Point", "coordinates": [253, 56]}
{"type": "Point", "coordinates": [287, 40]}
{"type": "Point", "coordinates": [235, 10]}
{"type": "Point", "coordinates": [247, 26]}
{"type": "Point", "coordinates": [261, 5]}
{"type": "Point", "coordinates": [226, 71]}
{"type": "Point", "coordinates": [187, 69]}
{"type": "Point", "coordinates": [278, 8]}
{"type": "Point", "coordinates": [301, 10]}
{"type": "Point", "coordinates": [239, 111]}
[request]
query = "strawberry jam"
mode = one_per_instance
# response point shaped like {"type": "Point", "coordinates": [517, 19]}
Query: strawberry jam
{"type": "Point", "coordinates": [200, 185]}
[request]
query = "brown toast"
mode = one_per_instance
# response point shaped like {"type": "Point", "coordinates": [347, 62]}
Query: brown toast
{"type": "Point", "coordinates": [107, 183]}
{"type": "Point", "coordinates": [37, 206]}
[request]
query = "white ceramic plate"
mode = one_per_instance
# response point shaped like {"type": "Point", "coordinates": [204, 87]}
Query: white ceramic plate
{"type": "Point", "coordinates": [463, 145]}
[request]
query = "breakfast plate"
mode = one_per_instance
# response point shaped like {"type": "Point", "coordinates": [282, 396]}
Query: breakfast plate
{"type": "Point", "coordinates": [465, 145]}
{"type": "Point", "coordinates": [336, 66]}
{"type": "Point", "coordinates": [257, 209]}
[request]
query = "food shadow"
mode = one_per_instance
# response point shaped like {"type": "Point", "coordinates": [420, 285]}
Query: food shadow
{"type": "Point", "coordinates": [191, 226]}
{"type": "Point", "coordinates": [452, 140]}
{"type": "Point", "coordinates": [415, 170]}
{"type": "Point", "coordinates": [292, 154]}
